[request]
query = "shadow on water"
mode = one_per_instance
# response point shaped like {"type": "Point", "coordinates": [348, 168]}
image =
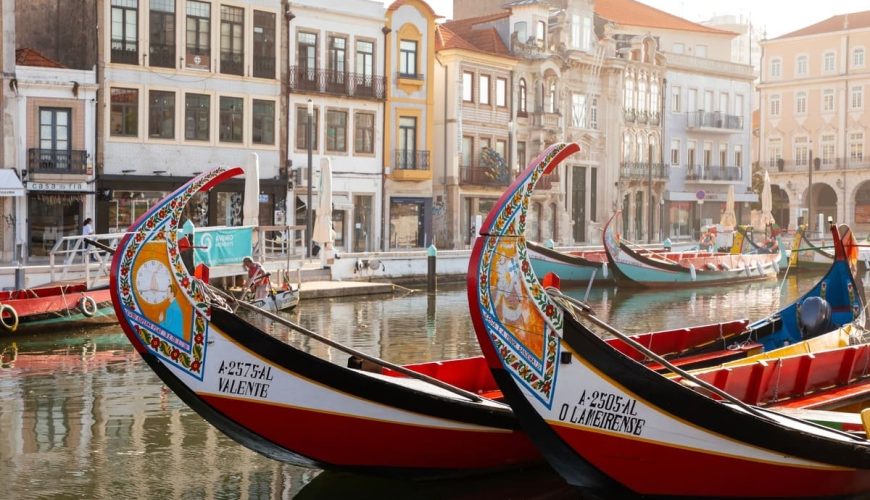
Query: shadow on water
{"type": "Point", "coordinates": [539, 483]}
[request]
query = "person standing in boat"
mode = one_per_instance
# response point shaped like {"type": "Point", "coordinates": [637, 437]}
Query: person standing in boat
{"type": "Point", "coordinates": [257, 280]}
{"type": "Point", "coordinates": [87, 231]}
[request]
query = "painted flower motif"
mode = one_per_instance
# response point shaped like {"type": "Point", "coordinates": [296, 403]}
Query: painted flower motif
{"type": "Point", "coordinates": [129, 253]}
{"type": "Point", "coordinates": [174, 354]}
{"type": "Point", "coordinates": [198, 338]}
{"type": "Point", "coordinates": [155, 343]}
{"type": "Point", "coordinates": [195, 366]}
{"type": "Point", "coordinates": [525, 266]}
{"type": "Point", "coordinates": [172, 251]}
{"type": "Point", "coordinates": [185, 282]}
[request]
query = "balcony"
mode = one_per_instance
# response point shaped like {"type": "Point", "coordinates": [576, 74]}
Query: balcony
{"type": "Point", "coordinates": [633, 170]}
{"type": "Point", "coordinates": [482, 176]}
{"type": "Point", "coordinates": [546, 119]}
{"type": "Point", "coordinates": [629, 115]}
{"type": "Point", "coordinates": [825, 164]}
{"type": "Point", "coordinates": [654, 119]}
{"type": "Point", "coordinates": [161, 55]}
{"type": "Point", "coordinates": [232, 63]}
{"type": "Point", "coordinates": [411, 165]}
{"type": "Point", "coordinates": [714, 121]}
{"type": "Point", "coordinates": [700, 173]}
{"type": "Point", "coordinates": [642, 117]}
{"type": "Point", "coordinates": [123, 55]}
{"type": "Point", "coordinates": [340, 83]}
{"type": "Point", "coordinates": [546, 182]}
{"type": "Point", "coordinates": [51, 161]}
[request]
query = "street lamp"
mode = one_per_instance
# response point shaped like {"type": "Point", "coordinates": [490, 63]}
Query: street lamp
{"type": "Point", "coordinates": [810, 190]}
{"type": "Point", "coordinates": [662, 217]}
{"type": "Point", "coordinates": [510, 153]}
{"type": "Point", "coordinates": [309, 133]}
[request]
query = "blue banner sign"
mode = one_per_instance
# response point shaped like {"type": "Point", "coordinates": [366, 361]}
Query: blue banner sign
{"type": "Point", "coordinates": [222, 245]}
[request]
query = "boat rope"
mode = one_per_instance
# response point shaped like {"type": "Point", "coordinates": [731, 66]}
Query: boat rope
{"type": "Point", "coordinates": [586, 311]}
{"type": "Point", "coordinates": [348, 350]}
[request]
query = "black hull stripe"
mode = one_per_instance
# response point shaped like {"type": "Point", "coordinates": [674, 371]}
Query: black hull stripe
{"type": "Point", "coordinates": [356, 384]}
{"type": "Point", "coordinates": [706, 413]}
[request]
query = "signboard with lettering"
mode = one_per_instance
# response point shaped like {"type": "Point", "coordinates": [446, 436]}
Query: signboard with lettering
{"type": "Point", "coordinates": [222, 245]}
{"type": "Point", "coordinates": [69, 187]}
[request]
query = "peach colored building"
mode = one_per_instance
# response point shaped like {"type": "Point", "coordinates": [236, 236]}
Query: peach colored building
{"type": "Point", "coordinates": [813, 130]}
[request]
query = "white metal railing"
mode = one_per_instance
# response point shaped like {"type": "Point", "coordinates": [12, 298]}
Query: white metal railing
{"type": "Point", "coordinates": [72, 248]}
{"type": "Point", "coordinates": [273, 242]}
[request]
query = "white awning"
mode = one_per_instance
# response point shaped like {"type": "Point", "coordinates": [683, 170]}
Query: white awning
{"type": "Point", "coordinates": [10, 184]}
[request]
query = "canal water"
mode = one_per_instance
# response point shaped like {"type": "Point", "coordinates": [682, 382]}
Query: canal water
{"type": "Point", "coordinates": [82, 416]}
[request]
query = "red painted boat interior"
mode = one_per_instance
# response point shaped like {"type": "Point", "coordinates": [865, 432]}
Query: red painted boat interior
{"type": "Point", "coordinates": [471, 374]}
{"type": "Point", "coordinates": [678, 340]}
{"type": "Point", "coordinates": [48, 291]}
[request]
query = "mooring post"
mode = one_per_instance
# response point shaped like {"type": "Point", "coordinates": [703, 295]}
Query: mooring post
{"type": "Point", "coordinates": [432, 281]}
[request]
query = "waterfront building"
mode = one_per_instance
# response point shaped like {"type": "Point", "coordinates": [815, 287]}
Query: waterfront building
{"type": "Point", "coordinates": [338, 63]}
{"type": "Point", "coordinates": [813, 122]}
{"type": "Point", "coordinates": [409, 126]}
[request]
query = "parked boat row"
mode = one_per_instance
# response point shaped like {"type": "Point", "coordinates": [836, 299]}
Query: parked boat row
{"type": "Point", "coordinates": [508, 408]}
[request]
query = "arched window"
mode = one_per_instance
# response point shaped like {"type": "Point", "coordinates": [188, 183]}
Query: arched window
{"type": "Point", "coordinates": [628, 102]}
{"type": "Point", "coordinates": [640, 155]}
{"type": "Point", "coordinates": [523, 110]}
{"type": "Point", "coordinates": [641, 95]}
{"type": "Point", "coordinates": [654, 147]}
{"type": "Point", "coordinates": [654, 97]}
{"type": "Point", "coordinates": [626, 148]}
{"type": "Point", "coordinates": [551, 97]}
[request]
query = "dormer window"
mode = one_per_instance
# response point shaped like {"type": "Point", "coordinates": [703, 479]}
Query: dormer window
{"type": "Point", "coordinates": [522, 32]}
{"type": "Point", "coordinates": [541, 33]}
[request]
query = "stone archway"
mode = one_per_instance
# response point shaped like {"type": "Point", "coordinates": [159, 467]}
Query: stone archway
{"type": "Point", "coordinates": [824, 202]}
{"type": "Point", "coordinates": [862, 207]}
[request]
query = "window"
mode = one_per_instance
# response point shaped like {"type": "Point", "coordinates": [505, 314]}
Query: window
{"type": "Point", "coordinates": [232, 40]}
{"type": "Point", "coordinates": [708, 100]}
{"type": "Point", "coordinates": [640, 148]}
{"type": "Point", "coordinates": [521, 154]}
{"type": "Point", "coordinates": [856, 147]}
{"type": "Point", "coordinates": [161, 24]}
{"type": "Point", "coordinates": [708, 153]}
{"type": "Point", "coordinates": [801, 66]}
{"type": "Point", "coordinates": [54, 138]}
{"type": "Point", "coordinates": [551, 98]}
{"type": "Point", "coordinates": [628, 97]}
{"type": "Point", "coordinates": [124, 121]}
{"type": "Point", "coordinates": [523, 98]}
{"type": "Point", "coordinates": [306, 53]}
{"type": "Point", "coordinates": [857, 97]}
{"type": "Point", "coordinates": [468, 87]}
{"type": "Point", "coordinates": [692, 100]}
{"type": "Point", "coordinates": [364, 133]}
{"type": "Point", "coordinates": [858, 57]}
{"type": "Point", "coordinates": [828, 149]}
{"type": "Point", "coordinates": [197, 109]}
{"type": "Point", "coordinates": [654, 97]}
{"type": "Point", "coordinates": [641, 95]}
{"type": "Point", "coordinates": [800, 103]}
{"type": "Point", "coordinates": [828, 100]}
{"type": "Point", "coordinates": [626, 147]}
{"type": "Point", "coordinates": [501, 92]}
{"type": "Point", "coordinates": [541, 33]}
{"type": "Point", "coordinates": [675, 152]}
{"type": "Point", "coordinates": [198, 54]}
{"type": "Point", "coordinates": [302, 127]}
{"type": "Point", "coordinates": [408, 58]}
{"type": "Point", "coordinates": [578, 110]}
{"type": "Point", "coordinates": [335, 62]}
{"type": "Point", "coordinates": [576, 32]}
{"type": "Point", "coordinates": [587, 33]}
{"type": "Point", "coordinates": [522, 32]}
{"type": "Point", "coordinates": [264, 44]}
{"type": "Point", "coordinates": [336, 131]}
{"type": "Point", "coordinates": [676, 104]}
{"type": "Point", "coordinates": [365, 65]}
{"type": "Point", "coordinates": [263, 122]}
{"type": "Point", "coordinates": [723, 102]}
{"type": "Point", "coordinates": [501, 148]}
{"type": "Point", "coordinates": [232, 113]}
{"type": "Point", "coordinates": [467, 151]}
{"type": "Point", "coordinates": [776, 68]}
{"type": "Point", "coordinates": [593, 112]}
{"type": "Point", "coordinates": [483, 91]}
{"type": "Point", "coordinates": [828, 62]}
{"type": "Point", "coordinates": [738, 156]}
{"type": "Point", "coordinates": [774, 151]}
{"type": "Point", "coordinates": [125, 39]}
{"type": "Point", "coordinates": [691, 161]}
{"type": "Point", "coordinates": [679, 48]}
{"type": "Point", "coordinates": [161, 114]}
{"type": "Point", "coordinates": [774, 105]}
{"type": "Point", "coordinates": [408, 143]}
{"type": "Point", "coordinates": [801, 151]}
{"type": "Point", "coordinates": [723, 155]}
{"type": "Point", "coordinates": [738, 105]}
{"type": "Point", "coordinates": [700, 51]}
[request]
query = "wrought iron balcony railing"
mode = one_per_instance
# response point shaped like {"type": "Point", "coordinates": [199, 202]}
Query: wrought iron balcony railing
{"type": "Point", "coordinates": [411, 159]}
{"type": "Point", "coordinates": [715, 119]}
{"type": "Point", "coordinates": [303, 79]}
{"type": "Point", "coordinates": [640, 171]}
{"type": "Point", "coordinates": [56, 161]}
{"type": "Point", "coordinates": [701, 173]}
{"type": "Point", "coordinates": [161, 55]}
{"type": "Point", "coordinates": [124, 56]}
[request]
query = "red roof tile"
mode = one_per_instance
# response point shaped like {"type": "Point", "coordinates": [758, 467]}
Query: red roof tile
{"type": "Point", "coordinates": [30, 57]}
{"type": "Point", "coordinates": [854, 20]}
{"type": "Point", "coordinates": [632, 13]}
{"type": "Point", "coordinates": [465, 34]}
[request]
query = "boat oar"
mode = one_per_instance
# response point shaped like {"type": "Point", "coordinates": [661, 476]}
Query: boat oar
{"type": "Point", "coordinates": [380, 362]}
{"type": "Point", "coordinates": [584, 309]}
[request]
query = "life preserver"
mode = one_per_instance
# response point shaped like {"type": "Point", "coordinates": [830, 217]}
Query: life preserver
{"type": "Point", "coordinates": [88, 306]}
{"type": "Point", "coordinates": [10, 324]}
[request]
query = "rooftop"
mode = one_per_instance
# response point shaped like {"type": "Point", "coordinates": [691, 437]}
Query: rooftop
{"type": "Point", "coordinates": [30, 57]}
{"type": "Point", "coordinates": [842, 22]}
{"type": "Point", "coordinates": [632, 13]}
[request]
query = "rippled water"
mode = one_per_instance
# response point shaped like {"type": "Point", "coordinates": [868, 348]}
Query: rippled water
{"type": "Point", "coordinates": [81, 415]}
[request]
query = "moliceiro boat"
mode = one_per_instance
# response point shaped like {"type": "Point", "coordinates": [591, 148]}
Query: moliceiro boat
{"type": "Point", "coordinates": [70, 305]}
{"type": "Point", "coordinates": [616, 426]}
{"type": "Point", "coordinates": [633, 267]}
{"type": "Point", "coordinates": [572, 267]}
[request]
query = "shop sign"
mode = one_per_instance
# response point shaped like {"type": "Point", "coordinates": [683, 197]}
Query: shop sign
{"type": "Point", "coordinates": [59, 186]}
{"type": "Point", "coordinates": [225, 245]}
